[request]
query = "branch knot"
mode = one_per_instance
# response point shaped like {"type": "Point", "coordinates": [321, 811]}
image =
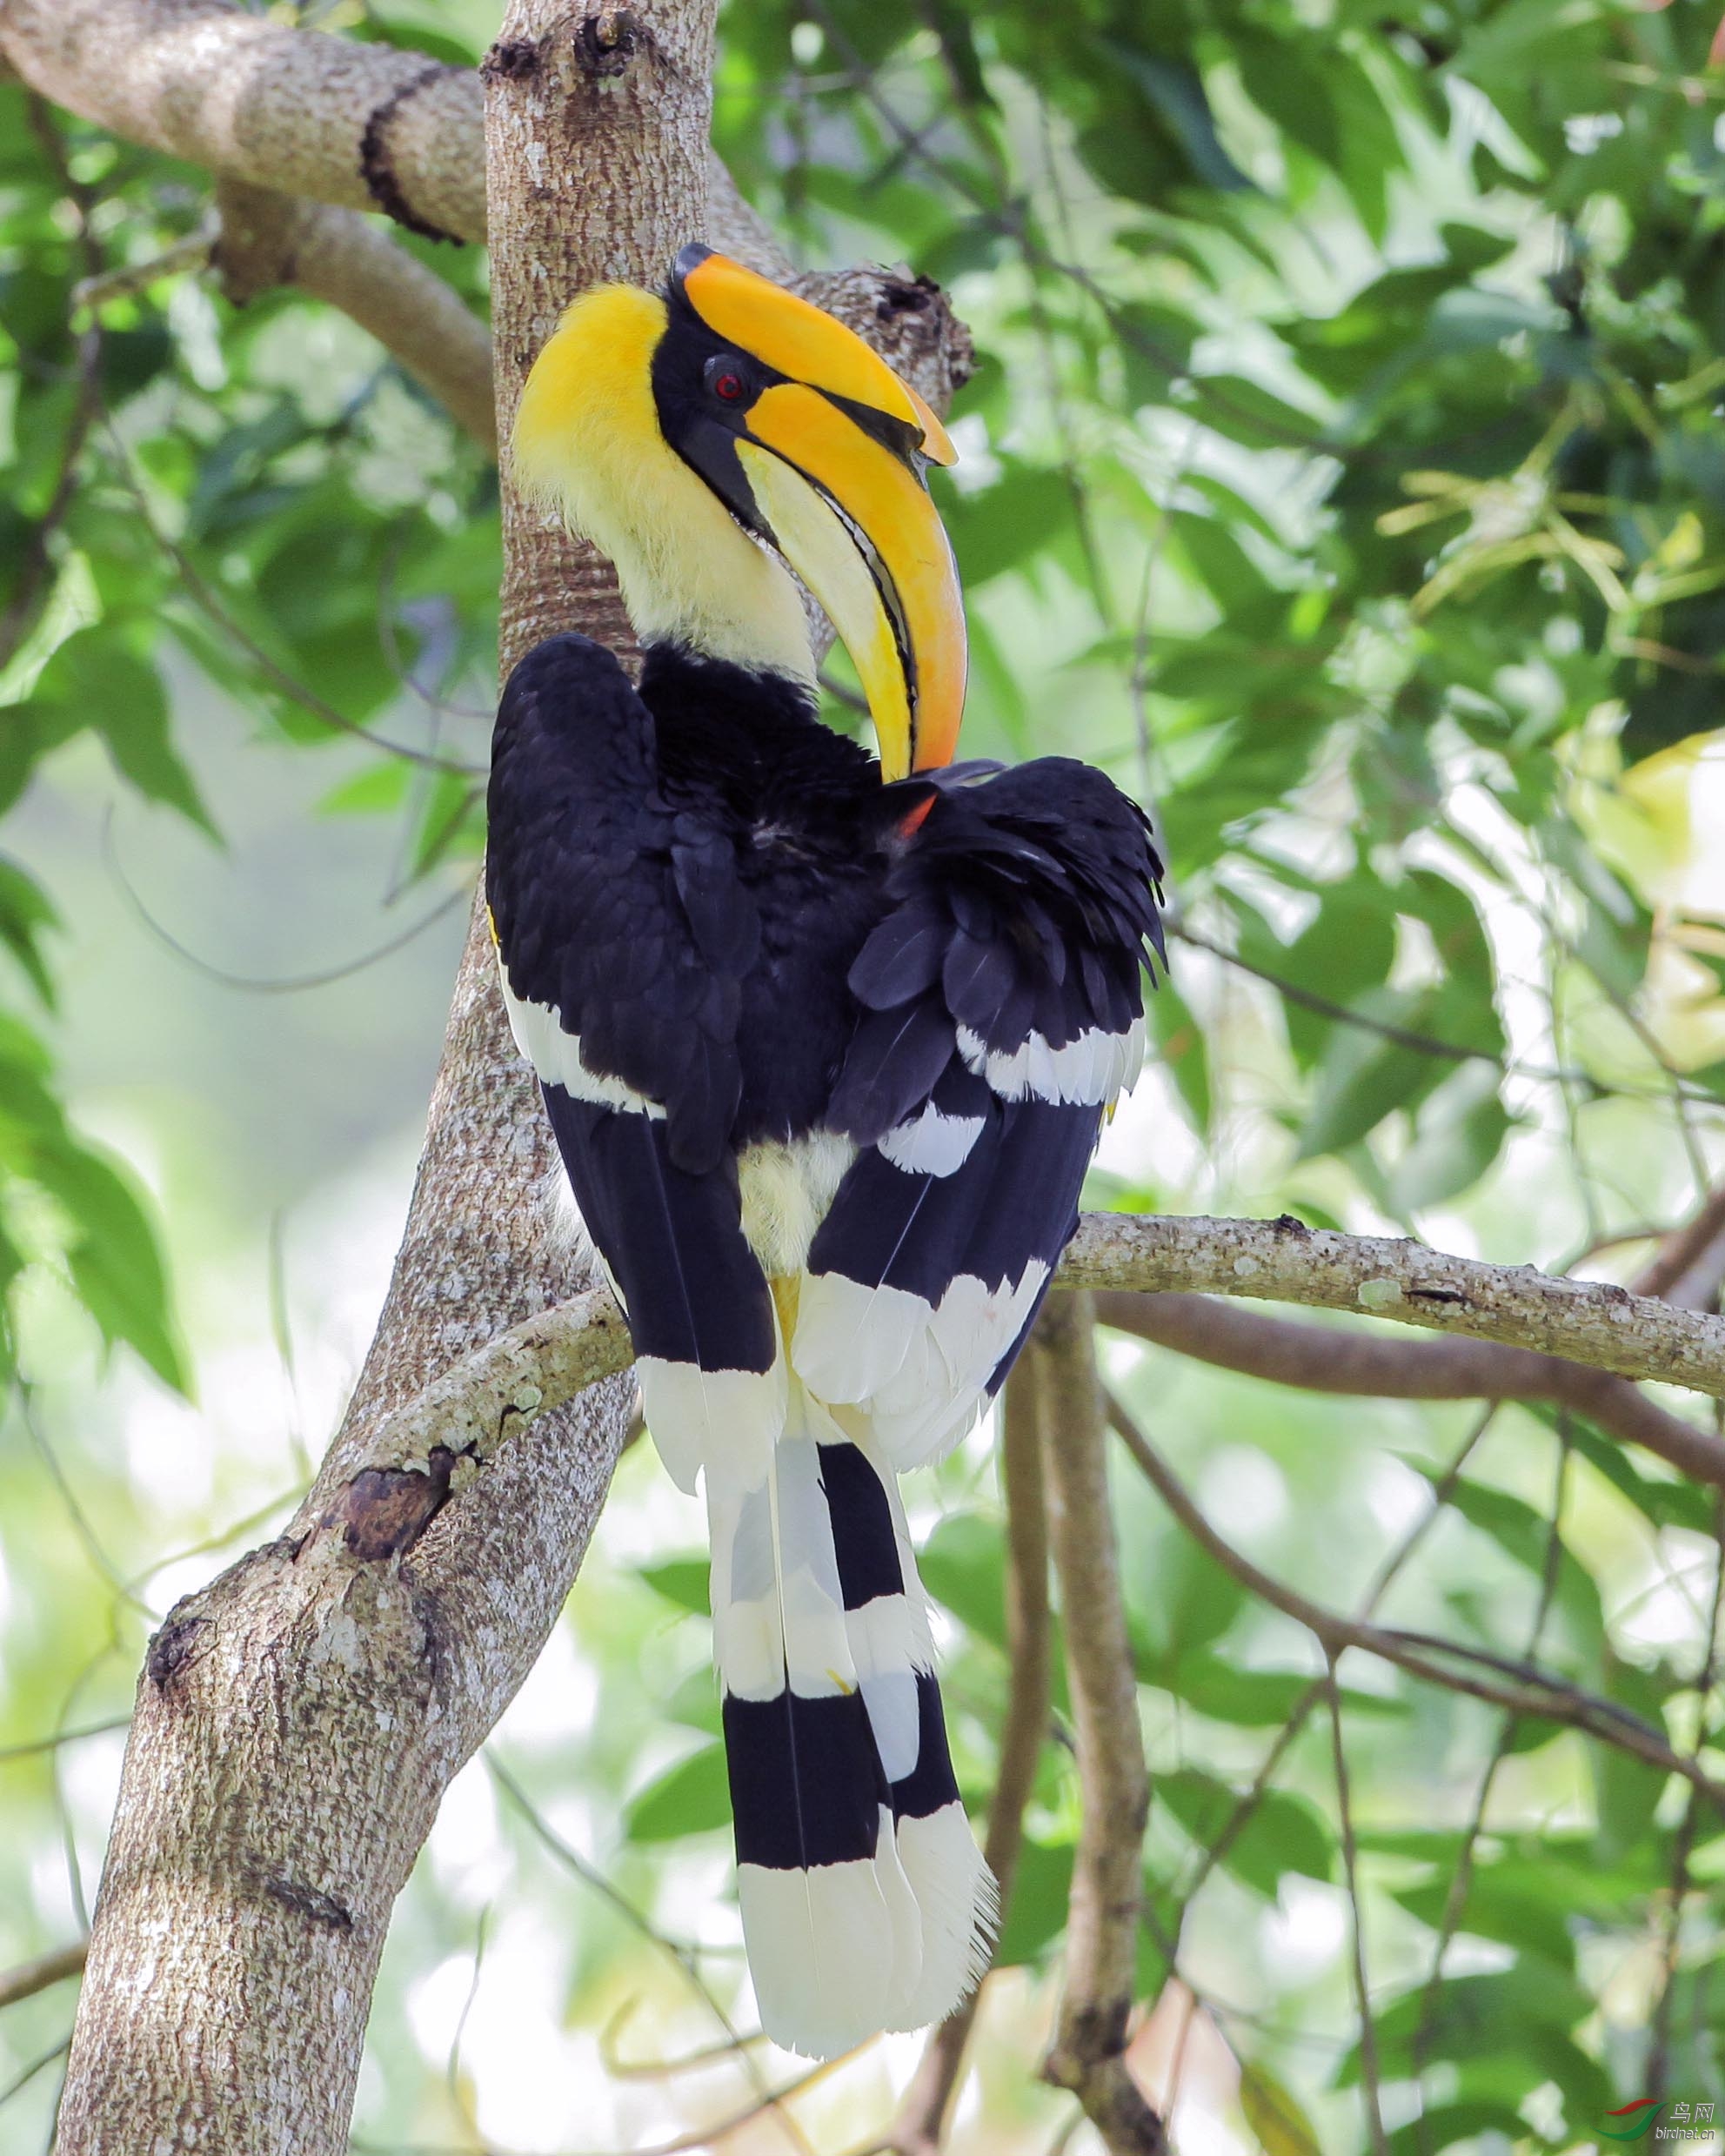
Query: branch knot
{"type": "Point", "coordinates": [607, 41]}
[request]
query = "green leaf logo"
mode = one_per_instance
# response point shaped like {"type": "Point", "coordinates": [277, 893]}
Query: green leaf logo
{"type": "Point", "coordinates": [1640, 2115]}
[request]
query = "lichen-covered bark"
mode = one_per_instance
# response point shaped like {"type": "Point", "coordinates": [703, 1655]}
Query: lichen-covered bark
{"type": "Point", "coordinates": [300, 1718]}
{"type": "Point", "coordinates": [1593, 1321]}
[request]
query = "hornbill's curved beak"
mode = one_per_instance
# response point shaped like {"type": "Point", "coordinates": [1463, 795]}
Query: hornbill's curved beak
{"type": "Point", "coordinates": [815, 444]}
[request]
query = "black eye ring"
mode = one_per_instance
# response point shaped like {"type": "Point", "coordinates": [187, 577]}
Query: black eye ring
{"type": "Point", "coordinates": [726, 381]}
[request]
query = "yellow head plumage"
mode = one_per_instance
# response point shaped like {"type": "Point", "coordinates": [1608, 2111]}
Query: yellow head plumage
{"type": "Point", "coordinates": [587, 444]}
{"type": "Point", "coordinates": [689, 434]}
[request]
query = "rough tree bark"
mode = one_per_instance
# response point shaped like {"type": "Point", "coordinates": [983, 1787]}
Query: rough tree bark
{"type": "Point", "coordinates": [298, 1721]}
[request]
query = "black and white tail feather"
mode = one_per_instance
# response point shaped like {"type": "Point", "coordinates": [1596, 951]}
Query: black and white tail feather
{"type": "Point", "coordinates": [865, 1902]}
{"type": "Point", "coordinates": [815, 1313]}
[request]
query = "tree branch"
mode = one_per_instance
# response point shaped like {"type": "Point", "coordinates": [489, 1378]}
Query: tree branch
{"type": "Point", "coordinates": [298, 1720]}
{"type": "Point", "coordinates": [1681, 1252]}
{"type": "Point", "coordinates": [268, 239]}
{"type": "Point", "coordinates": [1329, 1359]}
{"type": "Point", "coordinates": [1090, 2036]}
{"type": "Point", "coordinates": [499, 1390]}
{"type": "Point", "coordinates": [1284, 1260]}
{"type": "Point", "coordinates": [364, 126]}
{"type": "Point", "coordinates": [298, 111]}
{"type": "Point", "coordinates": [31, 1977]}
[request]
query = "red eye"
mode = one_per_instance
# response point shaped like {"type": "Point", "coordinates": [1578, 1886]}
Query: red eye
{"type": "Point", "coordinates": [730, 387]}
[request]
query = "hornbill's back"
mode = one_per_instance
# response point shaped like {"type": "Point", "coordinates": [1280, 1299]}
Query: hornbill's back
{"type": "Point", "coordinates": [826, 1058]}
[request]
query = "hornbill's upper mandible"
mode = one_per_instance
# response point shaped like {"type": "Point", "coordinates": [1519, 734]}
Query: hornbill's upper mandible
{"type": "Point", "coordinates": [827, 1044]}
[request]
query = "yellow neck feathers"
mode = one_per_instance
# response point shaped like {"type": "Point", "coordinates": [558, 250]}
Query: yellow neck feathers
{"type": "Point", "coordinates": [587, 445]}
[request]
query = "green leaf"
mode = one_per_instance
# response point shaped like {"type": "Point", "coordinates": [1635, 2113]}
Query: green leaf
{"type": "Point", "coordinates": [1274, 2114]}
{"type": "Point", "coordinates": [451, 817]}
{"type": "Point", "coordinates": [1627, 1789]}
{"type": "Point", "coordinates": [1523, 1533]}
{"type": "Point", "coordinates": [29, 731]}
{"type": "Point", "coordinates": [1284, 1832]}
{"type": "Point", "coordinates": [1498, 1906]}
{"type": "Point", "coordinates": [1007, 523]}
{"type": "Point", "coordinates": [1345, 950]}
{"type": "Point", "coordinates": [964, 1567]}
{"type": "Point", "coordinates": [1495, 2014]}
{"type": "Point", "coordinates": [24, 913]}
{"type": "Point", "coordinates": [1036, 1914]}
{"type": "Point", "coordinates": [1181, 1601]}
{"type": "Point", "coordinates": [1175, 91]}
{"type": "Point", "coordinates": [1443, 2125]}
{"type": "Point", "coordinates": [113, 1257]}
{"type": "Point", "coordinates": [1671, 1502]}
{"type": "Point", "coordinates": [96, 678]}
{"type": "Point", "coordinates": [371, 792]}
{"type": "Point", "coordinates": [696, 1702]}
{"type": "Point", "coordinates": [1253, 1699]}
{"type": "Point", "coordinates": [1457, 934]}
{"type": "Point", "coordinates": [1253, 415]}
{"type": "Point", "coordinates": [1181, 1051]}
{"type": "Point", "coordinates": [1459, 1135]}
{"type": "Point", "coordinates": [683, 1581]}
{"type": "Point", "coordinates": [693, 1797]}
{"type": "Point", "coordinates": [1365, 1074]}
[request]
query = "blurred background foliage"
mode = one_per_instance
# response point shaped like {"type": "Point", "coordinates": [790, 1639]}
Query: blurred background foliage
{"type": "Point", "coordinates": [1343, 471]}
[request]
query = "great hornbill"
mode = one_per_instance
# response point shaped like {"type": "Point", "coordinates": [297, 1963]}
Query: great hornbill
{"type": "Point", "coordinates": [827, 1044]}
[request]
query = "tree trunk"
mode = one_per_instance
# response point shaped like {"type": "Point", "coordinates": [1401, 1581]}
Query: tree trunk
{"type": "Point", "coordinates": [298, 1720]}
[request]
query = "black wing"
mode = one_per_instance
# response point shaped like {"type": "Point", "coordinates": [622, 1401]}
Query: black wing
{"type": "Point", "coordinates": [1002, 1014]}
{"type": "Point", "coordinates": [623, 934]}
{"type": "Point", "coordinates": [621, 923]}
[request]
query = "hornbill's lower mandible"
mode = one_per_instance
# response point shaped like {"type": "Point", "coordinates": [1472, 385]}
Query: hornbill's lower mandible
{"type": "Point", "coordinates": [827, 1044]}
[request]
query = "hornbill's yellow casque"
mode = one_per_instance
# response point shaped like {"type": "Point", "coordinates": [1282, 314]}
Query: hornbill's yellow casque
{"type": "Point", "coordinates": [827, 1044]}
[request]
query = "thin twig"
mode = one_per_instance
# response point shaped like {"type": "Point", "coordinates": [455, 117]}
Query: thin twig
{"type": "Point", "coordinates": [190, 252]}
{"type": "Point", "coordinates": [31, 1977]}
{"type": "Point", "coordinates": [685, 2145]}
{"type": "Point", "coordinates": [1461, 1879]}
{"type": "Point", "coordinates": [1350, 1870]}
{"type": "Point", "coordinates": [684, 1956]}
{"type": "Point", "coordinates": [35, 1746]}
{"type": "Point", "coordinates": [27, 2074]}
{"type": "Point", "coordinates": [1684, 1247]}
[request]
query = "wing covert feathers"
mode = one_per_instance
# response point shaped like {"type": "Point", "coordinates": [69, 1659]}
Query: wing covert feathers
{"type": "Point", "coordinates": [1001, 1016]}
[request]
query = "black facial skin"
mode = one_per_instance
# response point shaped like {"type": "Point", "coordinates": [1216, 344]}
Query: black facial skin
{"type": "Point", "coordinates": [702, 426]}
